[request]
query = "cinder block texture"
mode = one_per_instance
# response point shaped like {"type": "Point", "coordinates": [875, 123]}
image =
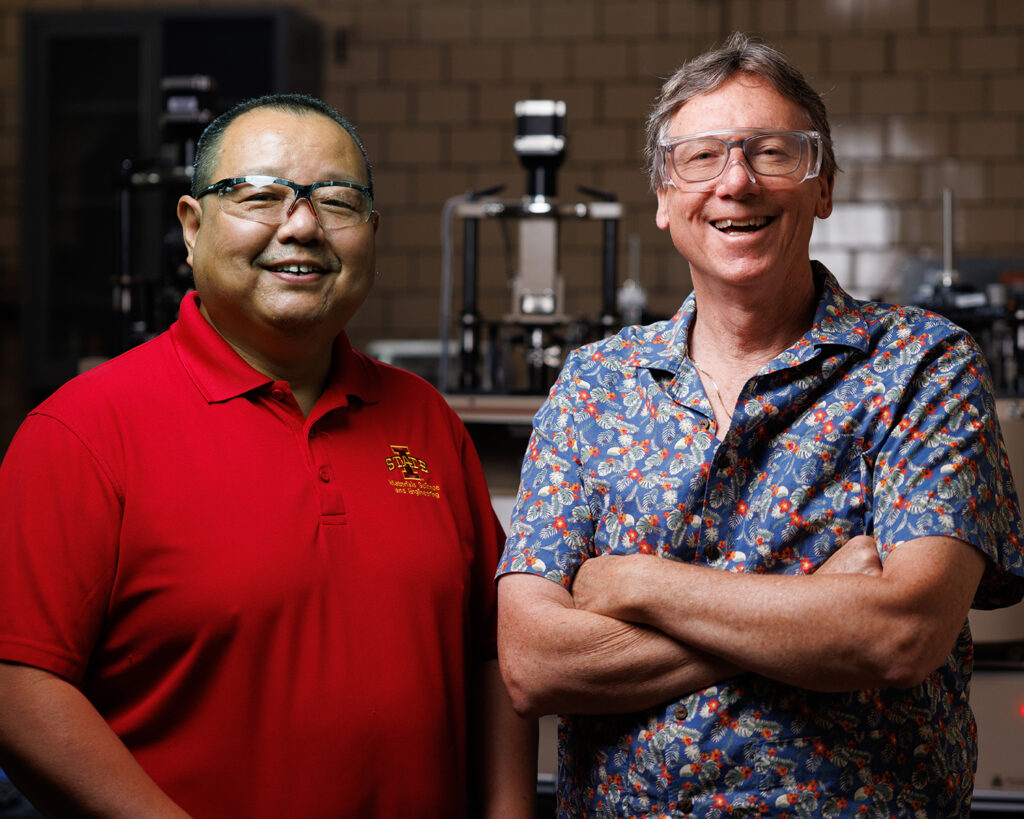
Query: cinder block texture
{"type": "Point", "coordinates": [923, 94]}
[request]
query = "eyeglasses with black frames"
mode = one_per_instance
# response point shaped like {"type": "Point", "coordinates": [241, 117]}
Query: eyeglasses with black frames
{"type": "Point", "coordinates": [270, 201]}
{"type": "Point", "coordinates": [777, 154]}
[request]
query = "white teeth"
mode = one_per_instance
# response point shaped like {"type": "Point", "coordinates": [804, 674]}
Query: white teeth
{"type": "Point", "coordinates": [299, 269]}
{"type": "Point", "coordinates": [725, 224]}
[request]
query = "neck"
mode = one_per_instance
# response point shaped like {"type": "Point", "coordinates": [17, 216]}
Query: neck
{"type": "Point", "coordinates": [732, 338]}
{"type": "Point", "coordinates": [745, 330]}
{"type": "Point", "coordinates": [305, 376]}
{"type": "Point", "coordinates": [302, 360]}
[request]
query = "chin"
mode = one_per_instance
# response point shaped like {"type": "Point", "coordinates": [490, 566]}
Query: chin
{"type": "Point", "coordinates": [330, 318]}
{"type": "Point", "coordinates": [740, 272]}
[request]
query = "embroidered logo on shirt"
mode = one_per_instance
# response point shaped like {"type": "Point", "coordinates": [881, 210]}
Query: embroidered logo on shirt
{"type": "Point", "coordinates": [404, 460]}
{"type": "Point", "coordinates": [411, 476]}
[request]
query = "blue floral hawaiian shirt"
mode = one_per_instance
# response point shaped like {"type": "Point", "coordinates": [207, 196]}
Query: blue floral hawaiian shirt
{"type": "Point", "coordinates": [879, 421]}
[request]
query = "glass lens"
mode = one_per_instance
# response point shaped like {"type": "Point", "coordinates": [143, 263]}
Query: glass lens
{"type": "Point", "coordinates": [774, 154]}
{"type": "Point", "coordinates": [267, 203]}
{"type": "Point", "coordinates": [261, 199]}
{"type": "Point", "coordinates": [339, 206]}
{"type": "Point", "coordinates": [697, 160]}
{"type": "Point", "coordinates": [702, 159]}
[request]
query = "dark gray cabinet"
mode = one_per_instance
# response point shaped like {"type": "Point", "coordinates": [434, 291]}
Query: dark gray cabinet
{"type": "Point", "coordinates": [99, 177]}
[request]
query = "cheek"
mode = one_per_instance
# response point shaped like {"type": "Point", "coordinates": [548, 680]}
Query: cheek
{"type": "Point", "coordinates": [357, 253]}
{"type": "Point", "coordinates": [218, 247]}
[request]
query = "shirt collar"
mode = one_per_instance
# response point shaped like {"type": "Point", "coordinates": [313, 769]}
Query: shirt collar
{"type": "Point", "coordinates": [220, 374]}
{"type": "Point", "coordinates": [838, 320]}
{"type": "Point", "coordinates": [353, 375]}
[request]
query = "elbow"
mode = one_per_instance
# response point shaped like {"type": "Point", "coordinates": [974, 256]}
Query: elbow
{"type": "Point", "coordinates": [901, 674]}
{"type": "Point", "coordinates": [524, 691]}
{"type": "Point", "coordinates": [909, 657]}
{"type": "Point", "coordinates": [527, 706]}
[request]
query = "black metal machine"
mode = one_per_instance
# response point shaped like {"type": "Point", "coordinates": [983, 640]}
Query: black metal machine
{"type": "Point", "coordinates": [520, 352]}
{"type": "Point", "coordinates": [149, 286]}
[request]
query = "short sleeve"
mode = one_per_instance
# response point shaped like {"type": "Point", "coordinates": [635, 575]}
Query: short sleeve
{"type": "Point", "coordinates": [487, 536]}
{"type": "Point", "coordinates": [552, 528]}
{"type": "Point", "coordinates": [943, 468]}
{"type": "Point", "coordinates": [59, 536]}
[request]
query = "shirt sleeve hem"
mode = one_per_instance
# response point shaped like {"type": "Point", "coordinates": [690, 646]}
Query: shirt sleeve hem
{"type": "Point", "coordinates": [24, 653]}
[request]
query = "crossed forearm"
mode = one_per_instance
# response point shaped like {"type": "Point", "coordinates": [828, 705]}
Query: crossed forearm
{"type": "Point", "coordinates": [560, 659]}
{"type": "Point", "coordinates": [859, 628]}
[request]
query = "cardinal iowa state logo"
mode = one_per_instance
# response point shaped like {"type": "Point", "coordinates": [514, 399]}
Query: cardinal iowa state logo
{"type": "Point", "coordinates": [409, 475]}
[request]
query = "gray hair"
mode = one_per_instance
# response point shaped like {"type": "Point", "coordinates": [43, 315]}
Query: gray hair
{"type": "Point", "coordinates": [208, 147]}
{"type": "Point", "coordinates": [707, 72]}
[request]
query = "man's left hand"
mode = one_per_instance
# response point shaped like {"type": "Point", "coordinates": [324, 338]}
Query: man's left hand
{"type": "Point", "coordinates": [603, 583]}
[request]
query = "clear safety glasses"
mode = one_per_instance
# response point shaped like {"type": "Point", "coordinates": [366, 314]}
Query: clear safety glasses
{"type": "Point", "coordinates": [269, 200]}
{"type": "Point", "coordinates": [794, 155]}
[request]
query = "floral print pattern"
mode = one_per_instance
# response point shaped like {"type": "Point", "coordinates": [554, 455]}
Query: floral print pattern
{"type": "Point", "coordinates": [879, 421]}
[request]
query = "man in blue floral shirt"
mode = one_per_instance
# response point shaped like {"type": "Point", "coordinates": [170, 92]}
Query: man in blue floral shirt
{"type": "Point", "coordinates": [766, 518]}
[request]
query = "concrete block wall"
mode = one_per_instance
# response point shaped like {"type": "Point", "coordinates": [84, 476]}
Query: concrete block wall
{"type": "Point", "coordinates": [923, 94]}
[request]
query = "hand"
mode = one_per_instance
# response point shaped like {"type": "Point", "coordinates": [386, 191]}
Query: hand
{"type": "Point", "coordinates": [859, 555]}
{"type": "Point", "coordinates": [599, 579]}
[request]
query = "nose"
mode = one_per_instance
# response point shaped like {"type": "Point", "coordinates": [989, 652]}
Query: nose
{"type": "Point", "coordinates": [300, 222]}
{"type": "Point", "coordinates": [742, 163]}
{"type": "Point", "coordinates": [732, 181]}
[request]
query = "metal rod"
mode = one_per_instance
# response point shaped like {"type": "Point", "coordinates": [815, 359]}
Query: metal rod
{"type": "Point", "coordinates": [468, 378]}
{"type": "Point", "coordinates": [609, 271]}
{"type": "Point", "coordinates": [947, 230]}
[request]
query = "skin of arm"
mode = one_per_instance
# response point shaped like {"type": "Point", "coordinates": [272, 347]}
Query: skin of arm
{"type": "Point", "coordinates": [826, 631]}
{"type": "Point", "coordinates": [64, 757]}
{"type": "Point", "coordinates": [503, 755]}
{"type": "Point", "coordinates": [557, 657]}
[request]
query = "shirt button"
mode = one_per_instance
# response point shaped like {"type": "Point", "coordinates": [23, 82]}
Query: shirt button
{"type": "Point", "coordinates": [685, 804]}
{"type": "Point", "coordinates": [681, 712]}
{"type": "Point", "coordinates": [277, 394]}
{"type": "Point", "coordinates": [712, 553]}
{"type": "Point", "coordinates": [325, 474]}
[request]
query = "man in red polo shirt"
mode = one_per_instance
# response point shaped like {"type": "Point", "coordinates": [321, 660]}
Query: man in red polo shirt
{"type": "Point", "coordinates": [248, 570]}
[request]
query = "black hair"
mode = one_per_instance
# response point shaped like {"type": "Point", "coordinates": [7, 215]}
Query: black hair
{"type": "Point", "coordinates": [209, 143]}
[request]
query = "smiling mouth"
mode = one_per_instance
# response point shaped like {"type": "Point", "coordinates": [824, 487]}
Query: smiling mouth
{"type": "Point", "coordinates": [742, 225]}
{"type": "Point", "coordinates": [297, 269]}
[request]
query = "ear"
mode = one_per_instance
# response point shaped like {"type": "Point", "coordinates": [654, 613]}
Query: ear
{"type": "Point", "coordinates": [662, 217]}
{"type": "Point", "coordinates": [190, 214]}
{"type": "Point", "coordinates": [375, 218]}
{"type": "Point", "coordinates": [823, 207]}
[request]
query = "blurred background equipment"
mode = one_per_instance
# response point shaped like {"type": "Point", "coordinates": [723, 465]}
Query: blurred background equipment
{"type": "Point", "coordinates": [985, 297]}
{"type": "Point", "coordinates": [113, 101]}
{"type": "Point", "coordinates": [149, 303]}
{"type": "Point", "coordinates": [521, 352]}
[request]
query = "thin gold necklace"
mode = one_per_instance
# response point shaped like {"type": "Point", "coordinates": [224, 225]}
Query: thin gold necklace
{"type": "Point", "coordinates": [714, 384]}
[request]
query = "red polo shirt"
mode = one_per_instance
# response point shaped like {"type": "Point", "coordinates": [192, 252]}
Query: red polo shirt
{"type": "Point", "coordinates": [277, 614]}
